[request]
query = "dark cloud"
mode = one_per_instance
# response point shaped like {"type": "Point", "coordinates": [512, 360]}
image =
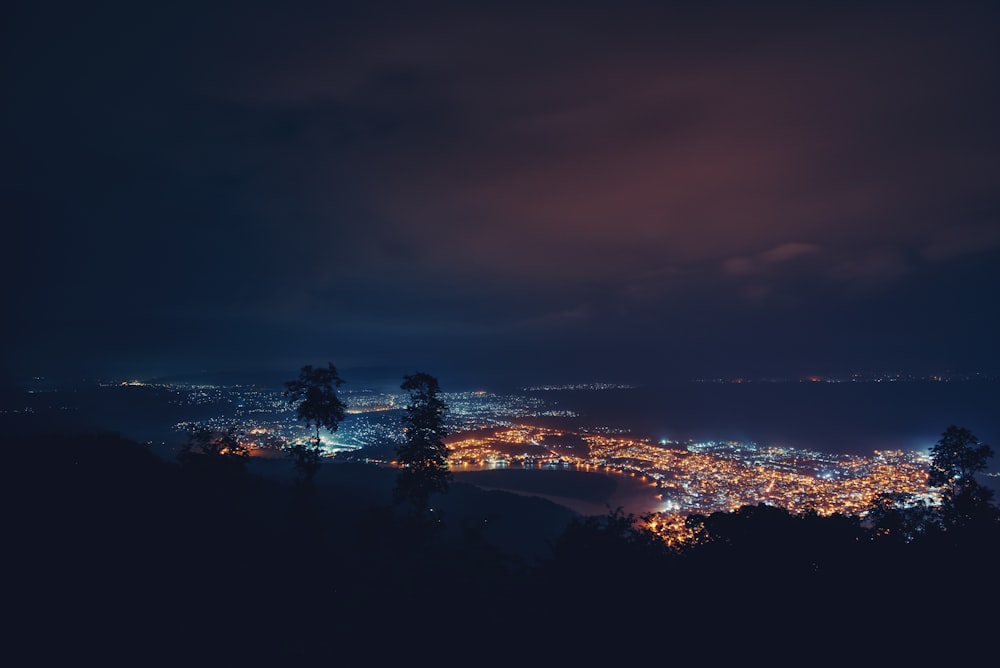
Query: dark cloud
{"type": "Point", "coordinates": [480, 185]}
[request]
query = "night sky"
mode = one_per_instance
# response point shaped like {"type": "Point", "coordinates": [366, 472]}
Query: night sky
{"type": "Point", "coordinates": [522, 191]}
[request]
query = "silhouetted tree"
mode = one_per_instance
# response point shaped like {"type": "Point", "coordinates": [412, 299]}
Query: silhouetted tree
{"type": "Point", "coordinates": [214, 453]}
{"type": "Point", "coordinates": [314, 396]}
{"type": "Point", "coordinates": [607, 562]}
{"type": "Point", "coordinates": [899, 517]}
{"type": "Point", "coordinates": [774, 543]}
{"type": "Point", "coordinates": [955, 460]}
{"type": "Point", "coordinates": [423, 455]}
{"type": "Point", "coordinates": [617, 540]}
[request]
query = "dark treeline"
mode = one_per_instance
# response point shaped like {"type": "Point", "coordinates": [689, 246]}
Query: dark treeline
{"type": "Point", "coordinates": [122, 557]}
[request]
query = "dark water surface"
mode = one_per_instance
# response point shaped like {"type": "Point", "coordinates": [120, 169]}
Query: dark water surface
{"type": "Point", "coordinates": [839, 418]}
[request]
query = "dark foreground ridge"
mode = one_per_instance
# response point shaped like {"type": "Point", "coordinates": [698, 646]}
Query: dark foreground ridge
{"type": "Point", "coordinates": [123, 558]}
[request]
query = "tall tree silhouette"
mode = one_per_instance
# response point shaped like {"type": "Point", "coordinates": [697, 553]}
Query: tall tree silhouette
{"type": "Point", "coordinates": [423, 455]}
{"type": "Point", "coordinates": [314, 396]}
{"type": "Point", "coordinates": [956, 459]}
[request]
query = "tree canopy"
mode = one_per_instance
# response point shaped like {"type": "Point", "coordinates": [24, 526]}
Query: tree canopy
{"type": "Point", "coordinates": [423, 455]}
{"type": "Point", "coordinates": [956, 459]}
{"type": "Point", "coordinates": [314, 396]}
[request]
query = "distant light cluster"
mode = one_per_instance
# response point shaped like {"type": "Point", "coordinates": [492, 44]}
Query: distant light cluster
{"type": "Point", "coordinates": [578, 386]}
{"type": "Point", "coordinates": [491, 431]}
{"type": "Point", "coordinates": [712, 476]}
{"type": "Point", "coordinates": [372, 418]}
{"type": "Point", "coordinates": [860, 377]}
{"type": "Point", "coordinates": [477, 410]}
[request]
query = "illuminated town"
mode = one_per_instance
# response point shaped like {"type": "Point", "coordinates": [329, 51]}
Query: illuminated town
{"type": "Point", "coordinates": [491, 431]}
{"type": "Point", "coordinates": [706, 477]}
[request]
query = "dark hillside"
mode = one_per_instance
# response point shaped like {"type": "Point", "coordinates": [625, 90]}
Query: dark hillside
{"type": "Point", "coordinates": [122, 551]}
{"type": "Point", "coordinates": [120, 557]}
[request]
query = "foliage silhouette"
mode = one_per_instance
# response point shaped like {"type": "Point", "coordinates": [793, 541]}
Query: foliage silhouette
{"type": "Point", "coordinates": [213, 453]}
{"type": "Point", "coordinates": [900, 517]}
{"type": "Point", "coordinates": [423, 456]}
{"type": "Point", "coordinates": [615, 541]}
{"type": "Point", "coordinates": [956, 459]}
{"type": "Point", "coordinates": [314, 396]}
{"type": "Point", "coordinates": [773, 542]}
